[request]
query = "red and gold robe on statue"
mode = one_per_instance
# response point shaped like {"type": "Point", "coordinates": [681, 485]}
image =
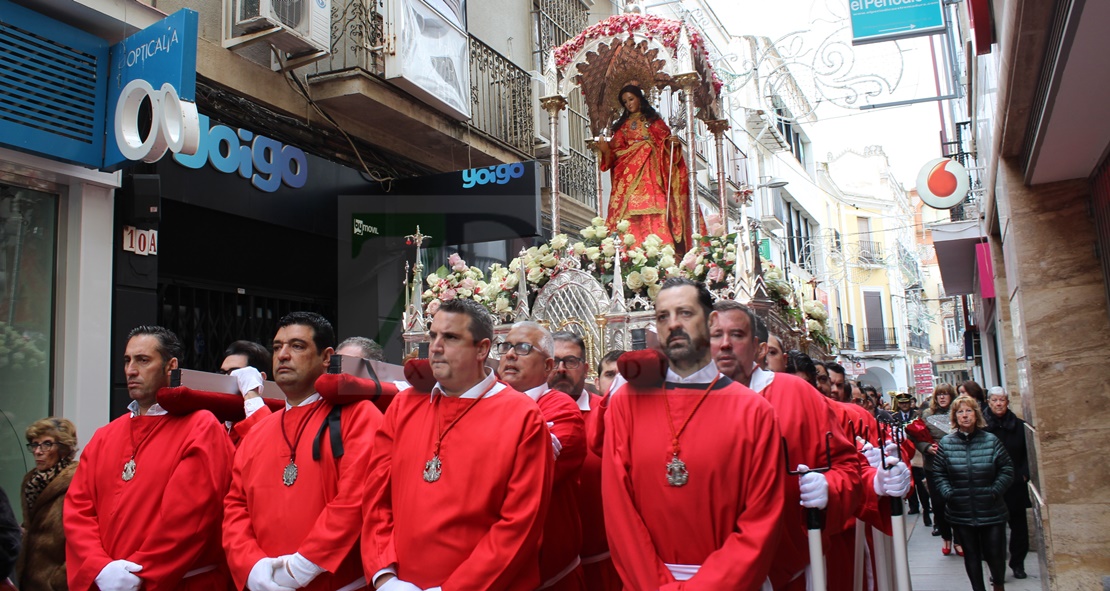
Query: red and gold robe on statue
{"type": "Point", "coordinates": [562, 530]}
{"type": "Point", "coordinates": [597, 564]}
{"type": "Point", "coordinates": [805, 419]}
{"type": "Point", "coordinates": [724, 524]}
{"type": "Point", "coordinates": [167, 517]}
{"type": "Point", "coordinates": [477, 527]}
{"type": "Point", "coordinates": [642, 163]}
{"type": "Point", "coordinates": [320, 515]}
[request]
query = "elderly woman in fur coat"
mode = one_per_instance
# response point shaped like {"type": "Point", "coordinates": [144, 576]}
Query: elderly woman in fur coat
{"type": "Point", "coordinates": [41, 564]}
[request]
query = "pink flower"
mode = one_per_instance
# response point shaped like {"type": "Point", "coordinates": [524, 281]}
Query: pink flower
{"type": "Point", "coordinates": [715, 275]}
{"type": "Point", "coordinates": [689, 260]}
{"type": "Point", "coordinates": [433, 307]}
{"type": "Point", "coordinates": [448, 294]}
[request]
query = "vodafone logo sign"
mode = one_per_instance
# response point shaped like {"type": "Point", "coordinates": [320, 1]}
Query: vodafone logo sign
{"type": "Point", "coordinates": [942, 183]}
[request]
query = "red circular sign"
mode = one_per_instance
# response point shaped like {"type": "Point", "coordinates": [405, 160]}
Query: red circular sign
{"type": "Point", "coordinates": [943, 183]}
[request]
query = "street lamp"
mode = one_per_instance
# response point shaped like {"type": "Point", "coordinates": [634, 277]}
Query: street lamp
{"type": "Point", "coordinates": [773, 183]}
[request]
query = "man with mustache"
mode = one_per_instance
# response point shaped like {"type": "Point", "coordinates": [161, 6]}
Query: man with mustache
{"type": "Point", "coordinates": [569, 376]}
{"type": "Point", "coordinates": [526, 363]}
{"type": "Point", "coordinates": [143, 510]}
{"type": "Point", "coordinates": [293, 515]}
{"type": "Point", "coordinates": [805, 419]}
{"type": "Point", "coordinates": [461, 474]}
{"type": "Point", "coordinates": [692, 474]}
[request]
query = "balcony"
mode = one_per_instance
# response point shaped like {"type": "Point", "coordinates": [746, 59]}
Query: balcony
{"type": "Point", "coordinates": [847, 337]}
{"type": "Point", "coordinates": [870, 253]}
{"type": "Point", "coordinates": [501, 98]}
{"type": "Point", "coordinates": [880, 339]}
{"type": "Point", "coordinates": [774, 212]}
{"type": "Point", "coordinates": [918, 341]}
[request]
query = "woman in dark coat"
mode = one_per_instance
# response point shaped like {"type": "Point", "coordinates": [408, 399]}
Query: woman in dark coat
{"type": "Point", "coordinates": [936, 419]}
{"type": "Point", "coordinates": [41, 564]}
{"type": "Point", "coordinates": [972, 472]}
{"type": "Point", "coordinates": [1004, 424]}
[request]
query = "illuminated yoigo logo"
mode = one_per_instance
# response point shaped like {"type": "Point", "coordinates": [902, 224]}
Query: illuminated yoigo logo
{"type": "Point", "coordinates": [175, 125]}
{"type": "Point", "coordinates": [492, 174]}
{"type": "Point", "coordinates": [943, 183]}
{"type": "Point", "coordinates": [266, 162]}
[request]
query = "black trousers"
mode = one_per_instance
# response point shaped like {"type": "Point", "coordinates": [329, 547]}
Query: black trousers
{"type": "Point", "coordinates": [940, 518]}
{"type": "Point", "coordinates": [987, 542]}
{"type": "Point", "coordinates": [921, 492]}
{"type": "Point", "coordinates": [1019, 535]}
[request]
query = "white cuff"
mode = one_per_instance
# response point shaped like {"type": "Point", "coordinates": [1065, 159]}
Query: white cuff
{"type": "Point", "coordinates": [252, 405]}
{"type": "Point", "coordinates": [302, 569]}
{"type": "Point", "coordinates": [389, 570]}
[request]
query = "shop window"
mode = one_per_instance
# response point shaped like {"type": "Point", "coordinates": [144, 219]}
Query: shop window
{"type": "Point", "coordinates": [28, 222]}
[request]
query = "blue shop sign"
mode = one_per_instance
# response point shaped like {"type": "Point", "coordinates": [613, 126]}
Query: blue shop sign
{"type": "Point", "coordinates": [883, 20]}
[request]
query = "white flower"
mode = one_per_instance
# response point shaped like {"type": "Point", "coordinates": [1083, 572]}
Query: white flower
{"type": "Point", "coordinates": [654, 289]}
{"type": "Point", "coordinates": [598, 222]}
{"type": "Point", "coordinates": [650, 275]}
{"type": "Point", "coordinates": [629, 239]}
{"type": "Point", "coordinates": [666, 261]}
{"type": "Point", "coordinates": [653, 240]}
{"type": "Point", "coordinates": [559, 241]}
{"type": "Point", "coordinates": [593, 253]}
{"type": "Point", "coordinates": [588, 233]}
{"type": "Point", "coordinates": [607, 248]}
{"type": "Point", "coordinates": [549, 260]}
{"type": "Point", "coordinates": [699, 270]}
{"type": "Point", "coordinates": [578, 249]}
{"type": "Point", "coordinates": [534, 274]}
{"type": "Point", "coordinates": [511, 281]}
{"type": "Point", "coordinates": [651, 251]}
{"type": "Point", "coordinates": [814, 326]}
{"type": "Point", "coordinates": [634, 281]}
{"type": "Point", "coordinates": [502, 305]}
{"type": "Point", "coordinates": [623, 225]}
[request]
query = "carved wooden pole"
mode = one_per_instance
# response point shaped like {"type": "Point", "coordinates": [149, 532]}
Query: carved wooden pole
{"type": "Point", "coordinates": [554, 104]}
{"type": "Point", "coordinates": [592, 145]}
{"type": "Point", "coordinates": [688, 82]}
{"type": "Point", "coordinates": [718, 127]}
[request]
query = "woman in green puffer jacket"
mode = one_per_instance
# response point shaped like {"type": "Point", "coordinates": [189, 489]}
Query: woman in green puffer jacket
{"type": "Point", "coordinates": [972, 472]}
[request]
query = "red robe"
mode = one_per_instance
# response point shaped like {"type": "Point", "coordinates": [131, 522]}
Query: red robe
{"type": "Point", "coordinates": [239, 430]}
{"type": "Point", "coordinates": [167, 518]}
{"type": "Point", "coordinates": [320, 516]}
{"type": "Point", "coordinates": [479, 526]}
{"type": "Point", "coordinates": [805, 419]}
{"type": "Point", "coordinates": [562, 530]}
{"type": "Point", "coordinates": [727, 518]}
{"type": "Point", "coordinates": [597, 565]}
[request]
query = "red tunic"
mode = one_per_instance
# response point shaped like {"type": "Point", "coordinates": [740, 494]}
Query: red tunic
{"type": "Point", "coordinates": [320, 515]}
{"type": "Point", "coordinates": [727, 518]}
{"type": "Point", "coordinates": [239, 430]}
{"type": "Point", "coordinates": [597, 566]}
{"type": "Point", "coordinates": [562, 530]}
{"type": "Point", "coordinates": [479, 526]}
{"type": "Point", "coordinates": [805, 419]}
{"type": "Point", "coordinates": [167, 518]}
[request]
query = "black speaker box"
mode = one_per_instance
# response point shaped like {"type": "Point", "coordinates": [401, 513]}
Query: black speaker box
{"type": "Point", "coordinates": [145, 196]}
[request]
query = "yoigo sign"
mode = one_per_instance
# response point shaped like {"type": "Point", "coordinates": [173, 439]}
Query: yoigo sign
{"type": "Point", "coordinates": [157, 67]}
{"type": "Point", "coordinates": [492, 174]}
{"type": "Point", "coordinates": [266, 162]}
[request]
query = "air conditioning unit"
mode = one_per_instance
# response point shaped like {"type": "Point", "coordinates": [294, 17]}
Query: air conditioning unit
{"type": "Point", "coordinates": [296, 27]}
{"type": "Point", "coordinates": [542, 122]}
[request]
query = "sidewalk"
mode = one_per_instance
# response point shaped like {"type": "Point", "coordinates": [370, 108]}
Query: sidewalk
{"type": "Point", "coordinates": [932, 571]}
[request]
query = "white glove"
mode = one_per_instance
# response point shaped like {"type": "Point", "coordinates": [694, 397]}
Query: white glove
{"type": "Point", "coordinates": [295, 571]}
{"type": "Point", "coordinates": [894, 482]}
{"type": "Point", "coordinates": [396, 584]}
{"type": "Point", "coordinates": [892, 451]}
{"type": "Point", "coordinates": [555, 443]}
{"type": "Point", "coordinates": [872, 454]}
{"type": "Point", "coordinates": [814, 488]}
{"type": "Point", "coordinates": [118, 576]}
{"type": "Point", "coordinates": [249, 379]}
{"type": "Point", "coordinates": [261, 577]}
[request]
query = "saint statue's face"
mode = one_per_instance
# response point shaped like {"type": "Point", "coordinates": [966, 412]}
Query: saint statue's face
{"type": "Point", "coordinates": [631, 102]}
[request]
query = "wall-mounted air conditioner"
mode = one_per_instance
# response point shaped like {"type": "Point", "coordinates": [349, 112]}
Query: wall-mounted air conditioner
{"type": "Point", "coordinates": [299, 28]}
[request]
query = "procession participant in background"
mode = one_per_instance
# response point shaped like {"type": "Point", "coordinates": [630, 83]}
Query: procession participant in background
{"type": "Point", "coordinates": [837, 382]}
{"type": "Point", "coordinates": [607, 371]}
{"type": "Point", "coordinates": [804, 420]}
{"type": "Point", "coordinates": [248, 362]}
{"type": "Point", "coordinates": [361, 347]}
{"type": "Point", "coordinates": [650, 180]}
{"type": "Point", "coordinates": [144, 507]}
{"type": "Point", "coordinates": [461, 472]}
{"type": "Point", "coordinates": [293, 515]}
{"type": "Point", "coordinates": [526, 363]}
{"type": "Point", "coordinates": [569, 376]}
{"type": "Point", "coordinates": [692, 474]}
{"type": "Point", "coordinates": [823, 384]}
{"type": "Point", "coordinates": [775, 359]}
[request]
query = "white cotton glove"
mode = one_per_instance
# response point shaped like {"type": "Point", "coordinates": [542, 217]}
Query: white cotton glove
{"type": "Point", "coordinates": [872, 453]}
{"type": "Point", "coordinates": [555, 443]}
{"type": "Point", "coordinates": [118, 575]}
{"type": "Point", "coordinates": [261, 577]}
{"type": "Point", "coordinates": [396, 584]}
{"type": "Point", "coordinates": [295, 571]}
{"type": "Point", "coordinates": [894, 482]}
{"type": "Point", "coordinates": [814, 488]}
{"type": "Point", "coordinates": [249, 379]}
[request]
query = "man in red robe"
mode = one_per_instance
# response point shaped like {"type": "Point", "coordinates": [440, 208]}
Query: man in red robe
{"type": "Point", "coordinates": [248, 362]}
{"type": "Point", "coordinates": [569, 376]}
{"type": "Point", "coordinates": [526, 361]}
{"type": "Point", "coordinates": [143, 511]}
{"type": "Point", "coordinates": [456, 499]}
{"type": "Point", "coordinates": [294, 512]}
{"type": "Point", "coordinates": [812, 436]}
{"type": "Point", "coordinates": [692, 474]}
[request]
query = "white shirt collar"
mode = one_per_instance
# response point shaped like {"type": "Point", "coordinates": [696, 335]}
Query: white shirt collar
{"type": "Point", "coordinates": [477, 389]}
{"type": "Point", "coordinates": [584, 401]}
{"type": "Point", "coordinates": [315, 396]}
{"type": "Point", "coordinates": [537, 392]}
{"type": "Point", "coordinates": [155, 410]}
{"type": "Point", "coordinates": [761, 378]}
{"type": "Point", "coordinates": [702, 376]}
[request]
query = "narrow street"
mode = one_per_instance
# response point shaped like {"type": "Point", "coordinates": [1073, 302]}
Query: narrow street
{"type": "Point", "coordinates": [932, 571]}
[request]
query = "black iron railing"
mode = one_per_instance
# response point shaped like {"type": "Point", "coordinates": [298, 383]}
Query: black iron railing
{"type": "Point", "coordinates": [880, 339]}
{"type": "Point", "coordinates": [501, 98]}
{"type": "Point", "coordinates": [847, 337]}
{"type": "Point", "coordinates": [919, 341]}
{"type": "Point", "coordinates": [870, 252]}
